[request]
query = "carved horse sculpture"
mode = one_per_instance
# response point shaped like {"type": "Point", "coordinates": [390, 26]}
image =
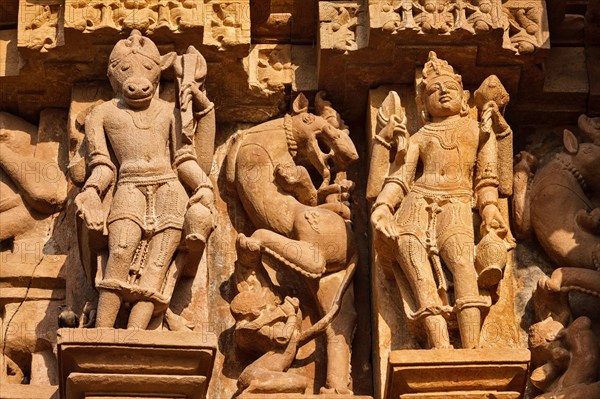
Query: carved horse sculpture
{"type": "Point", "coordinates": [305, 229]}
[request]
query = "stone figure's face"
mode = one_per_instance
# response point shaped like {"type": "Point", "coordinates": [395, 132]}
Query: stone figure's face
{"type": "Point", "coordinates": [443, 96]}
{"type": "Point", "coordinates": [137, 77]}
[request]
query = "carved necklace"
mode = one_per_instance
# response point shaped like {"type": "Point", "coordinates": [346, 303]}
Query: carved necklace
{"type": "Point", "coordinates": [568, 166]}
{"type": "Point", "coordinates": [138, 117]}
{"type": "Point", "coordinates": [288, 127]}
{"type": "Point", "coordinates": [445, 132]}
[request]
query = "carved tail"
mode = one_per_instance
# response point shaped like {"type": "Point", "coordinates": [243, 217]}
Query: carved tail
{"type": "Point", "coordinates": [525, 165]}
{"type": "Point", "coordinates": [320, 325]}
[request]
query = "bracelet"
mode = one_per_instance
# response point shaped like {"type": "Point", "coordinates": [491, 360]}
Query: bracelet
{"type": "Point", "coordinates": [91, 185]}
{"type": "Point", "coordinates": [205, 111]}
{"type": "Point", "coordinates": [378, 204]}
{"type": "Point", "coordinates": [488, 202]}
{"type": "Point", "coordinates": [204, 185]}
{"type": "Point", "coordinates": [384, 143]}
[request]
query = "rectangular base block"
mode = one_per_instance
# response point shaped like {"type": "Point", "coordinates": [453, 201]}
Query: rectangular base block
{"type": "Point", "coordinates": [299, 396]}
{"type": "Point", "coordinates": [15, 391]}
{"type": "Point", "coordinates": [463, 395]}
{"type": "Point", "coordinates": [457, 373]}
{"type": "Point", "coordinates": [130, 364]}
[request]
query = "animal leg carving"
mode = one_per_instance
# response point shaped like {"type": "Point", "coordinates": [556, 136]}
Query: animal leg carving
{"type": "Point", "coordinates": [300, 256]}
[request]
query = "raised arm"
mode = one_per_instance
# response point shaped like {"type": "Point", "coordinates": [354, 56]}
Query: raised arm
{"type": "Point", "coordinates": [187, 167]}
{"type": "Point", "coordinates": [486, 184]}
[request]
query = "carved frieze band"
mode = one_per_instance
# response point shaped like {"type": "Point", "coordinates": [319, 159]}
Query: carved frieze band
{"type": "Point", "coordinates": [524, 22]}
{"type": "Point", "coordinates": [224, 23]}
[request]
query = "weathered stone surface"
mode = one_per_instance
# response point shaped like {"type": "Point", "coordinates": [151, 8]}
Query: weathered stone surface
{"type": "Point", "coordinates": [467, 373]}
{"type": "Point", "coordinates": [134, 362]}
{"type": "Point", "coordinates": [260, 56]}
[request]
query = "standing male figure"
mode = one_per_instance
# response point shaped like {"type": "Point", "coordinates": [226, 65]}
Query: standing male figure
{"type": "Point", "coordinates": [424, 212]}
{"type": "Point", "coordinates": [153, 159]}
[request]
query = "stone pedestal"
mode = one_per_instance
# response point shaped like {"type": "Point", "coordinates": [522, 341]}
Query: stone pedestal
{"type": "Point", "coordinates": [457, 373]}
{"type": "Point", "coordinates": [17, 391]}
{"type": "Point", "coordinates": [111, 363]}
{"type": "Point", "coordinates": [300, 396]}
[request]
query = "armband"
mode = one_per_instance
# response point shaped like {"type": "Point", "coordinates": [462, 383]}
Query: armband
{"type": "Point", "coordinates": [384, 143]}
{"type": "Point", "coordinates": [379, 204]}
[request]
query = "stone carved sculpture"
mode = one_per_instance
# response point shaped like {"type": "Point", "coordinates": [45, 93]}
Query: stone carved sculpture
{"type": "Point", "coordinates": [144, 15]}
{"type": "Point", "coordinates": [520, 22]}
{"type": "Point", "coordinates": [33, 190]}
{"type": "Point", "coordinates": [564, 188]}
{"type": "Point", "coordinates": [302, 228]}
{"type": "Point", "coordinates": [422, 216]}
{"type": "Point", "coordinates": [140, 155]}
{"type": "Point", "coordinates": [32, 184]}
{"type": "Point", "coordinates": [272, 330]}
{"type": "Point", "coordinates": [565, 352]}
{"type": "Point", "coordinates": [40, 27]}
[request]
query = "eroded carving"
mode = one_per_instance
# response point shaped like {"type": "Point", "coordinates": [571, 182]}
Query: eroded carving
{"type": "Point", "coordinates": [140, 159]}
{"type": "Point", "coordinates": [40, 25]}
{"type": "Point", "coordinates": [521, 22]}
{"type": "Point", "coordinates": [557, 204]}
{"type": "Point", "coordinates": [301, 229]}
{"type": "Point", "coordinates": [423, 215]}
{"type": "Point", "coordinates": [340, 26]}
{"type": "Point", "coordinates": [33, 190]}
{"type": "Point", "coordinates": [228, 24]}
{"type": "Point", "coordinates": [144, 15]}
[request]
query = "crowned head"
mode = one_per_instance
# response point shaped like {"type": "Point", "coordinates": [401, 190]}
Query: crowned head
{"type": "Point", "coordinates": [441, 93]}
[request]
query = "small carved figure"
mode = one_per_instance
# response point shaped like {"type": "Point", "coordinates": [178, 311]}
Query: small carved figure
{"type": "Point", "coordinates": [80, 15]}
{"type": "Point", "coordinates": [136, 14]}
{"type": "Point", "coordinates": [271, 329]}
{"type": "Point", "coordinates": [435, 16]}
{"type": "Point", "coordinates": [569, 359]}
{"type": "Point", "coordinates": [136, 148]}
{"type": "Point", "coordinates": [423, 215]}
{"type": "Point", "coordinates": [343, 28]}
{"type": "Point", "coordinates": [303, 228]}
{"type": "Point", "coordinates": [224, 24]}
{"type": "Point", "coordinates": [108, 10]}
{"type": "Point", "coordinates": [41, 31]}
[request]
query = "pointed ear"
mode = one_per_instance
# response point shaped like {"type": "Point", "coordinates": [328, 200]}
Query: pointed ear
{"type": "Point", "coordinates": [570, 142]}
{"type": "Point", "coordinates": [300, 104]}
{"type": "Point", "coordinates": [167, 60]}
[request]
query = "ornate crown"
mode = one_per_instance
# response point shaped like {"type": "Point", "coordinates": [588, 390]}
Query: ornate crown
{"type": "Point", "coordinates": [437, 67]}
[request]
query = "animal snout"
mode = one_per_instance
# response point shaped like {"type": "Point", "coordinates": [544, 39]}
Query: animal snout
{"type": "Point", "coordinates": [137, 88]}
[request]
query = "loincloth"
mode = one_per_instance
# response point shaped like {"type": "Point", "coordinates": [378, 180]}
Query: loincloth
{"type": "Point", "coordinates": [154, 203]}
{"type": "Point", "coordinates": [440, 215]}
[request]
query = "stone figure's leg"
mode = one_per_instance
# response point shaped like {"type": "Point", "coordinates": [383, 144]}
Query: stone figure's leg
{"type": "Point", "coordinates": [160, 254]}
{"type": "Point", "coordinates": [339, 333]}
{"type": "Point", "coordinates": [123, 238]}
{"type": "Point", "coordinates": [301, 256]}
{"type": "Point", "coordinates": [457, 253]}
{"type": "Point", "coordinates": [414, 261]}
